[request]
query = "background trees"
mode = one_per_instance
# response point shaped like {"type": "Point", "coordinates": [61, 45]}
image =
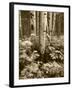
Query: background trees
{"type": "Point", "coordinates": [43, 24]}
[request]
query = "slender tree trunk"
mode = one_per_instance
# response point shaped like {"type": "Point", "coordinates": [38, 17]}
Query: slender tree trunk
{"type": "Point", "coordinates": [37, 23]}
{"type": "Point", "coordinates": [59, 25]}
{"type": "Point", "coordinates": [20, 25]}
{"type": "Point", "coordinates": [54, 22]}
{"type": "Point", "coordinates": [50, 25]}
{"type": "Point", "coordinates": [48, 33]}
{"type": "Point", "coordinates": [33, 21]}
{"type": "Point", "coordinates": [43, 27]}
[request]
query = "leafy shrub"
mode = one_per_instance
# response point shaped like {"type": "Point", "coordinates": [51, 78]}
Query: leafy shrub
{"type": "Point", "coordinates": [53, 69]}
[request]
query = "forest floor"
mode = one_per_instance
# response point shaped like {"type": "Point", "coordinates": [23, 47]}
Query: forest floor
{"type": "Point", "coordinates": [33, 64]}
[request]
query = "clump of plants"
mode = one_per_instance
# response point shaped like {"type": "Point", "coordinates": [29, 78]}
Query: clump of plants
{"type": "Point", "coordinates": [33, 64]}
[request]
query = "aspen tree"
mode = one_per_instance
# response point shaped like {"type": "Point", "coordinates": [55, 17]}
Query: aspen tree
{"type": "Point", "coordinates": [43, 27]}
{"type": "Point", "coordinates": [33, 21]}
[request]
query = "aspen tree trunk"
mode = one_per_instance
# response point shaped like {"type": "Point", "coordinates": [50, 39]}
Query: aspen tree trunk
{"type": "Point", "coordinates": [59, 25]}
{"type": "Point", "coordinates": [54, 22]}
{"type": "Point", "coordinates": [43, 26]}
{"type": "Point", "coordinates": [50, 25]}
{"type": "Point", "coordinates": [38, 26]}
{"type": "Point", "coordinates": [20, 25]}
{"type": "Point", "coordinates": [33, 22]}
{"type": "Point", "coordinates": [48, 33]}
{"type": "Point", "coordinates": [37, 22]}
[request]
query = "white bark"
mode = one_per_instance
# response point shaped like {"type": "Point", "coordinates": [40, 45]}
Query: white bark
{"type": "Point", "coordinates": [33, 21]}
{"type": "Point", "coordinates": [20, 24]}
{"type": "Point", "coordinates": [50, 25]}
{"type": "Point", "coordinates": [54, 20]}
{"type": "Point", "coordinates": [37, 27]}
{"type": "Point", "coordinates": [43, 26]}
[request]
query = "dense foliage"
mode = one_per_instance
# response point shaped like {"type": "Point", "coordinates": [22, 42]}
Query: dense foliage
{"type": "Point", "coordinates": [34, 64]}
